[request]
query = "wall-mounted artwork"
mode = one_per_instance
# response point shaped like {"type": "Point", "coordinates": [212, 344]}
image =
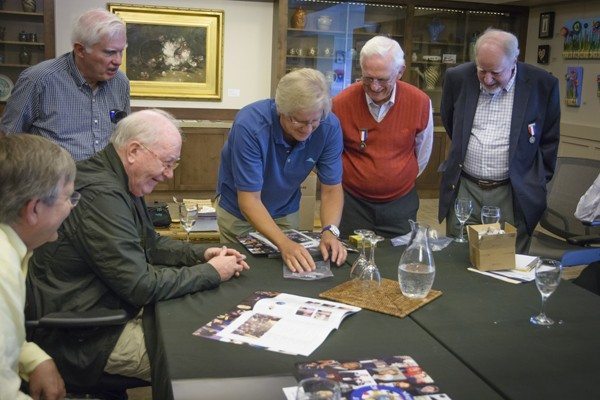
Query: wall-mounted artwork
{"type": "Point", "coordinates": [173, 53]}
{"type": "Point", "coordinates": [581, 38]}
{"type": "Point", "coordinates": [543, 54]}
{"type": "Point", "coordinates": [546, 28]}
{"type": "Point", "coordinates": [574, 78]}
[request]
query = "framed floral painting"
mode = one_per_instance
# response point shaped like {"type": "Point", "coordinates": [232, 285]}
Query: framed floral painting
{"type": "Point", "coordinates": [172, 53]}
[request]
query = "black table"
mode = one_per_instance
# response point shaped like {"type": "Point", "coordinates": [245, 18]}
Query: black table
{"type": "Point", "coordinates": [203, 368]}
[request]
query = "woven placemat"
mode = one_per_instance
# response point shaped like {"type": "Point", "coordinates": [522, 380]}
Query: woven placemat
{"type": "Point", "coordinates": [387, 299]}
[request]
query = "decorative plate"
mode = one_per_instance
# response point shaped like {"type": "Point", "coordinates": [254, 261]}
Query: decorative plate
{"type": "Point", "coordinates": [6, 86]}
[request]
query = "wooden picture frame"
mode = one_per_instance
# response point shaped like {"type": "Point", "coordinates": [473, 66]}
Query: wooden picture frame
{"type": "Point", "coordinates": [546, 28]}
{"type": "Point", "coordinates": [172, 53]}
{"type": "Point", "coordinates": [543, 54]}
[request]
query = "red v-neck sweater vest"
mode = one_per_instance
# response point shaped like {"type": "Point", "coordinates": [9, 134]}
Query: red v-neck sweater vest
{"type": "Point", "coordinates": [386, 168]}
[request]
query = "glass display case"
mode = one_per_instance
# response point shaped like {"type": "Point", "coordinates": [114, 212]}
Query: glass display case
{"type": "Point", "coordinates": [445, 37]}
{"type": "Point", "coordinates": [328, 36]}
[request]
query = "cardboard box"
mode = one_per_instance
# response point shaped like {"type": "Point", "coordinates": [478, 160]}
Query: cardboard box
{"type": "Point", "coordinates": [492, 252]}
{"type": "Point", "coordinates": [309, 186]}
{"type": "Point", "coordinates": [307, 213]}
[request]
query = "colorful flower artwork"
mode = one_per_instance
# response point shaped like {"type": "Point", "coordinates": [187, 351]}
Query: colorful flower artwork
{"type": "Point", "coordinates": [574, 79]}
{"type": "Point", "coordinates": [581, 38]}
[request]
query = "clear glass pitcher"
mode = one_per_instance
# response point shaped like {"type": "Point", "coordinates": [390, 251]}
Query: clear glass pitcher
{"type": "Point", "coordinates": [416, 269]}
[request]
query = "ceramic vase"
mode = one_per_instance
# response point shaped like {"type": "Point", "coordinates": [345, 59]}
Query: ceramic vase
{"type": "Point", "coordinates": [324, 22]}
{"type": "Point", "coordinates": [431, 76]}
{"type": "Point", "coordinates": [299, 18]}
{"type": "Point", "coordinates": [25, 55]}
{"type": "Point", "coordinates": [29, 5]}
{"type": "Point", "coordinates": [435, 28]}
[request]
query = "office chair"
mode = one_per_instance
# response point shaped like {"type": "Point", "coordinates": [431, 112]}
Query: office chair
{"type": "Point", "coordinates": [572, 178]}
{"type": "Point", "coordinates": [109, 387]}
{"type": "Point", "coordinates": [590, 277]}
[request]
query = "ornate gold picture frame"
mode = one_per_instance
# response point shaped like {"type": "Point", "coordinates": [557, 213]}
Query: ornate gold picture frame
{"type": "Point", "coordinates": [172, 53]}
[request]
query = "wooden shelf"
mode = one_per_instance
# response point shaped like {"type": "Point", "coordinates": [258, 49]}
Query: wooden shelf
{"type": "Point", "coordinates": [18, 43]}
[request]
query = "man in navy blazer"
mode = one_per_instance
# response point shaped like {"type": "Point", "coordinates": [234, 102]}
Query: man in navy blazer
{"type": "Point", "coordinates": [503, 117]}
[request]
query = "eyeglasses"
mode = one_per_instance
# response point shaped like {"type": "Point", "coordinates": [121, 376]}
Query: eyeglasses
{"type": "Point", "coordinates": [367, 80]}
{"type": "Point", "coordinates": [74, 198]}
{"type": "Point", "coordinates": [301, 124]}
{"type": "Point", "coordinates": [495, 74]}
{"type": "Point", "coordinates": [166, 165]}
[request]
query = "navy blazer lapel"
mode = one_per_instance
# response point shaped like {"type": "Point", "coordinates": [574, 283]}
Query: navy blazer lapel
{"type": "Point", "coordinates": [472, 90]}
{"type": "Point", "coordinates": [522, 91]}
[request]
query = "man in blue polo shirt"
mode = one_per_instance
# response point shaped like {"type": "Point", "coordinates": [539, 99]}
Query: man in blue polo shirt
{"type": "Point", "coordinates": [272, 147]}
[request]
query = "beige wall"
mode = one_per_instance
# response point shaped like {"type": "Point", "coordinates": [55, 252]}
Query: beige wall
{"type": "Point", "coordinates": [246, 55]}
{"type": "Point", "coordinates": [580, 126]}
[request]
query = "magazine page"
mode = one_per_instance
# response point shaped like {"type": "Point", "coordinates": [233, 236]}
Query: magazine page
{"type": "Point", "coordinates": [272, 321]}
{"type": "Point", "coordinates": [394, 377]}
{"type": "Point", "coordinates": [292, 234]}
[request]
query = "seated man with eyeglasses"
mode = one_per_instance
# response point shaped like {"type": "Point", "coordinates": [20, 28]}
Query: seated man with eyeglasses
{"type": "Point", "coordinates": [272, 147]}
{"type": "Point", "coordinates": [108, 255]}
{"type": "Point", "coordinates": [388, 135]}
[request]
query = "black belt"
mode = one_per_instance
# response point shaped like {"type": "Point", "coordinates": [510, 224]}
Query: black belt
{"type": "Point", "coordinates": [485, 184]}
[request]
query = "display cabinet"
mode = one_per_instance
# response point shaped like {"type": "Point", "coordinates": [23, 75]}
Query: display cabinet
{"type": "Point", "coordinates": [445, 37]}
{"type": "Point", "coordinates": [328, 35]}
{"type": "Point", "coordinates": [26, 38]}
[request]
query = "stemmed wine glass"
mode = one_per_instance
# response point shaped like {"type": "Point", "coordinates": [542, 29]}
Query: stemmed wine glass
{"type": "Point", "coordinates": [370, 277]}
{"type": "Point", "coordinates": [490, 214]}
{"type": "Point", "coordinates": [361, 261]}
{"type": "Point", "coordinates": [188, 214]}
{"type": "Point", "coordinates": [547, 278]}
{"type": "Point", "coordinates": [462, 209]}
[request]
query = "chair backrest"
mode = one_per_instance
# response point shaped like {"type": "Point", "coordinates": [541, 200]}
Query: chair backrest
{"type": "Point", "coordinates": [572, 178]}
{"type": "Point", "coordinates": [580, 257]}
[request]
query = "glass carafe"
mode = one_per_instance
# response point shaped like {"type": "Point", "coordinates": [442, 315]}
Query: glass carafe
{"type": "Point", "coordinates": [416, 269]}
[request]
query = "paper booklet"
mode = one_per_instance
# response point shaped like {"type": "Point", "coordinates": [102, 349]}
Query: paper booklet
{"type": "Point", "coordinates": [257, 244]}
{"type": "Point", "coordinates": [394, 377]}
{"type": "Point", "coordinates": [272, 320]}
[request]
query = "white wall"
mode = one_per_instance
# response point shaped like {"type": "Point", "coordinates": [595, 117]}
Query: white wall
{"type": "Point", "coordinates": [246, 43]}
{"type": "Point", "coordinates": [576, 122]}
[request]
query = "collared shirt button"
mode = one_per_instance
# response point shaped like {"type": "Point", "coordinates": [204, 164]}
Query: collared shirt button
{"type": "Point", "coordinates": [460, 166]}
{"type": "Point", "coordinates": [289, 160]}
{"type": "Point", "coordinates": [453, 187]}
{"type": "Point", "coordinates": [96, 141]}
{"type": "Point", "coordinates": [95, 121]}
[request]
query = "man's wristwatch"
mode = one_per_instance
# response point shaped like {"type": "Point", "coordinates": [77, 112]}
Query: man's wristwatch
{"type": "Point", "coordinates": [333, 229]}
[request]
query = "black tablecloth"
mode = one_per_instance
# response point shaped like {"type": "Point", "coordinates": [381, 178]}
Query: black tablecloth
{"type": "Point", "coordinates": [363, 335]}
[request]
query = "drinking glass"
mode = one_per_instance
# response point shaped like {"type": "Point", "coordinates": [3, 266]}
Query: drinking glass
{"type": "Point", "coordinates": [361, 261]}
{"type": "Point", "coordinates": [188, 214]}
{"type": "Point", "coordinates": [370, 277]}
{"type": "Point", "coordinates": [463, 209]}
{"type": "Point", "coordinates": [318, 389]}
{"type": "Point", "coordinates": [547, 278]}
{"type": "Point", "coordinates": [490, 214]}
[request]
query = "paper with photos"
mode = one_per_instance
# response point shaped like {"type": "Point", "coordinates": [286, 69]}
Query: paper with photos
{"type": "Point", "coordinates": [272, 320]}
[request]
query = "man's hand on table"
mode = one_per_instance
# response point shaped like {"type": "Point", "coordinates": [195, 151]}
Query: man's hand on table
{"type": "Point", "coordinates": [296, 257]}
{"type": "Point", "coordinates": [331, 247]}
{"type": "Point", "coordinates": [227, 262]}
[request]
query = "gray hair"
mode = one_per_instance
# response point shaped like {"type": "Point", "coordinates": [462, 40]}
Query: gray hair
{"type": "Point", "coordinates": [304, 89]}
{"type": "Point", "coordinates": [383, 47]}
{"type": "Point", "coordinates": [505, 40]}
{"type": "Point", "coordinates": [93, 25]}
{"type": "Point", "coordinates": [142, 126]}
{"type": "Point", "coordinates": [31, 167]}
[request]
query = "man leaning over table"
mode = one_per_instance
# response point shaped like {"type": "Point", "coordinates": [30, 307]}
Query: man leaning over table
{"type": "Point", "coordinates": [108, 255]}
{"type": "Point", "coordinates": [36, 195]}
{"type": "Point", "coordinates": [272, 147]}
{"type": "Point", "coordinates": [69, 99]}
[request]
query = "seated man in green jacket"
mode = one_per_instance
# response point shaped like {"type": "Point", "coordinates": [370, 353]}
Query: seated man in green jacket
{"type": "Point", "coordinates": [108, 255]}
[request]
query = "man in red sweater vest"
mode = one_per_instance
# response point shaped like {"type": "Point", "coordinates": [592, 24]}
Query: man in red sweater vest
{"type": "Point", "coordinates": [388, 134]}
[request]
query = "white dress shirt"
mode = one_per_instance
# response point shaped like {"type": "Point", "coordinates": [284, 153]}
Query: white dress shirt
{"type": "Point", "coordinates": [16, 355]}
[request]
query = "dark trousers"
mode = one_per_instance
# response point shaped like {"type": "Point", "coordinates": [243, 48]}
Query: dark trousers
{"type": "Point", "coordinates": [388, 219]}
{"type": "Point", "coordinates": [590, 278]}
